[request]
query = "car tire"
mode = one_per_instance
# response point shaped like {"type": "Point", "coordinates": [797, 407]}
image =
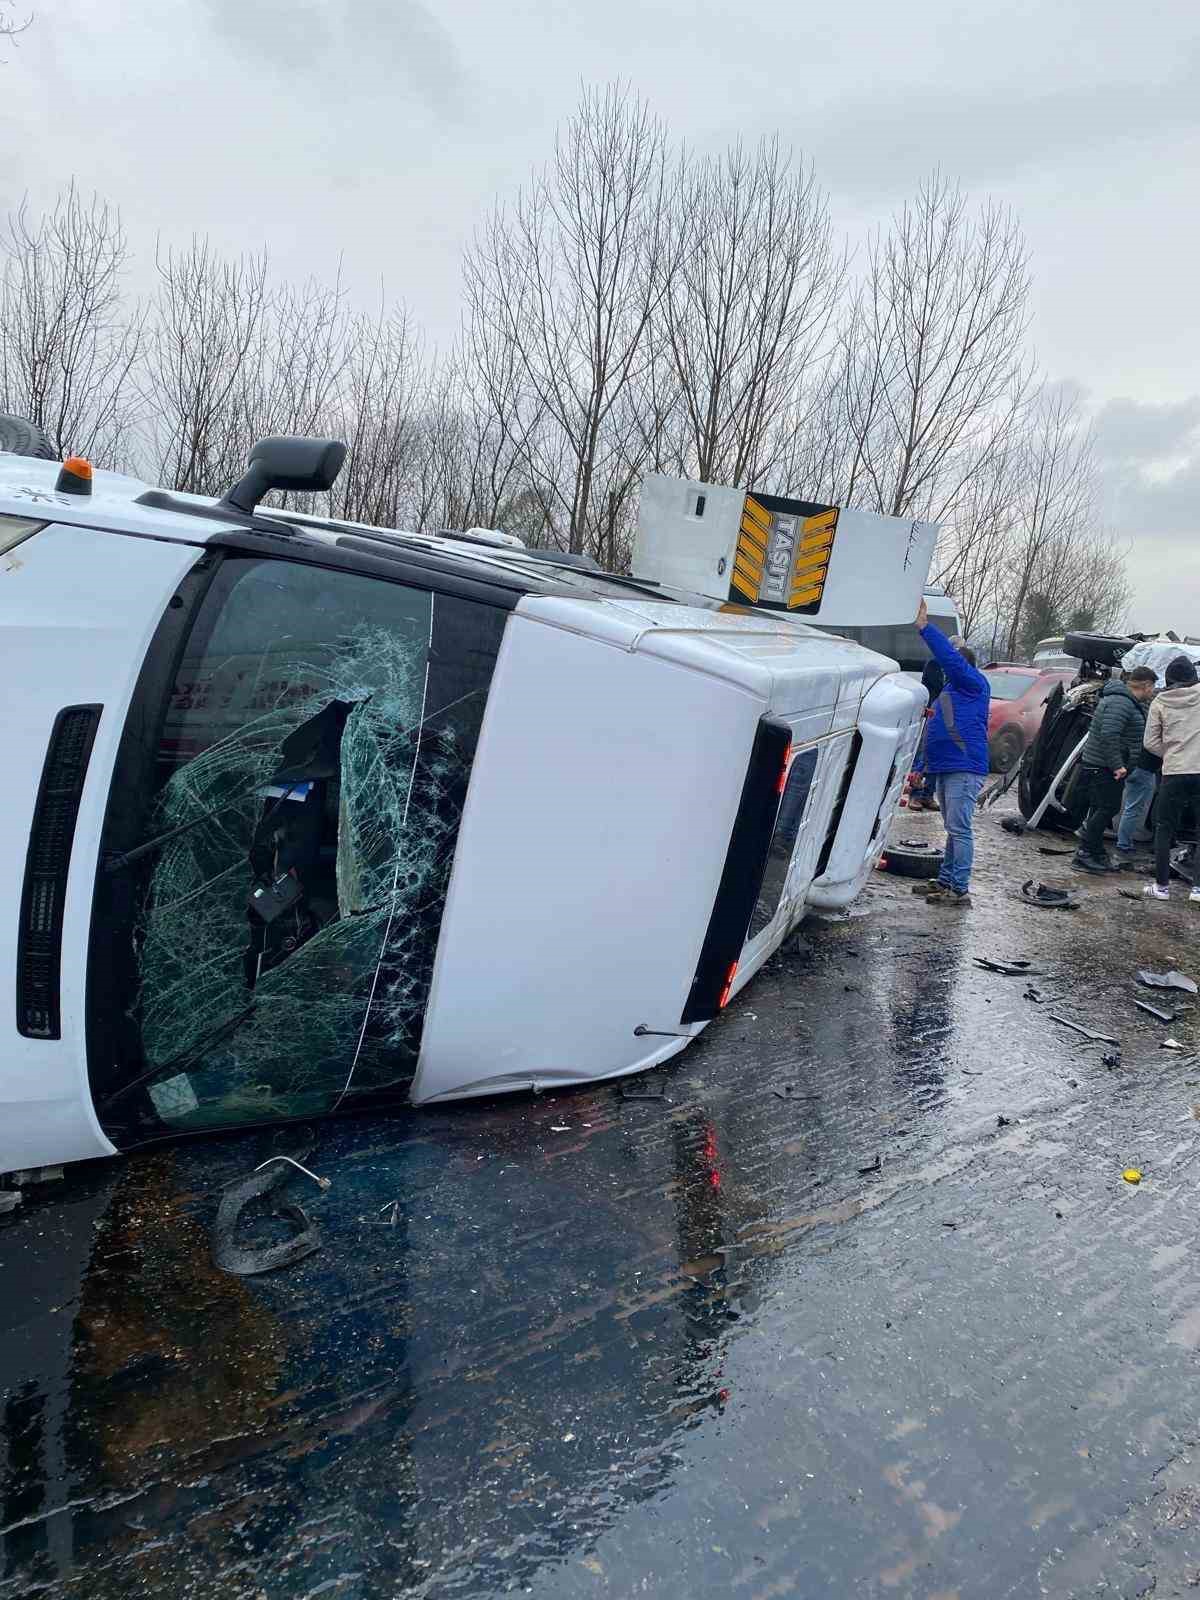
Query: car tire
{"type": "Point", "coordinates": [907, 861]}
{"type": "Point", "coordinates": [1005, 750]}
{"type": "Point", "coordinates": [22, 438]}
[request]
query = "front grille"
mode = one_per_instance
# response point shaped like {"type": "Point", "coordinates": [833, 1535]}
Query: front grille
{"type": "Point", "coordinates": [39, 936]}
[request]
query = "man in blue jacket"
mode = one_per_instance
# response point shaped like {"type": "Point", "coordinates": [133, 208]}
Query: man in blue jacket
{"type": "Point", "coordinates": [956, 756]}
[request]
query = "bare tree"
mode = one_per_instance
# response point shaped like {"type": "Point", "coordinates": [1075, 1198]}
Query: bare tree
{"type": "Point", "coordinates": [931, 364]}
{"type": "Point", "coordinates": [570, 278]}
{"type": "Point", "coordinates": [67, 347]}
{"type": "Point", "coordinates": [1056, 509]}
{"type": "Point", "coordinates": [205, 369]}
{"type": "Point", "coordinates": [382, 396]}
{"type": "Point", "coordinates": [754, 279]}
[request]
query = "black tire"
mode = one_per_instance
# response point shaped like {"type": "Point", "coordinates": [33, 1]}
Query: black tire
{"type": "Point", "coordinates": [21, 438]}
{"type": "Point", "coordinates": [1005, 750]}
{"type": "Point", "coordinates": [1105, 649]}
{"type": "Point", "coordinates": [907, 862]}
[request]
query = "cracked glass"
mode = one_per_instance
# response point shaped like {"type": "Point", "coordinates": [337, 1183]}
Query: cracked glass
{"type": "Point", "coordinates": [312, 769]}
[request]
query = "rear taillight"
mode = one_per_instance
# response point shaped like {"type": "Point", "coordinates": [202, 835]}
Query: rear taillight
{"type": "Point", "coordinates": [723, 999]}
{"type": "Point", "coordinates": [47, 863]}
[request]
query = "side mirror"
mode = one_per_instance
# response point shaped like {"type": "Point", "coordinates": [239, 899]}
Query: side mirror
{"type": "Point", "coordinates": [290, 464]}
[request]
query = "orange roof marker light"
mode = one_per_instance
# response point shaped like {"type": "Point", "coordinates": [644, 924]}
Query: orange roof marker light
{"type": "Point", "coordinates": [75, 476]}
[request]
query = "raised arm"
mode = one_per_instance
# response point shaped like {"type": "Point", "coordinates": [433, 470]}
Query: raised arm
{"type": "Point", "coordinates": [959, 671]}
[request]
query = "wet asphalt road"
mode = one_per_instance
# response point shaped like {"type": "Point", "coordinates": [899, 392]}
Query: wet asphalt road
{"type": "Point", "coordinates": [683, 1346]}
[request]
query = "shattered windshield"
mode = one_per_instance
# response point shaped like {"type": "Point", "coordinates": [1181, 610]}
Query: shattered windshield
{"type": "Point", "coordinates": [295, 854]}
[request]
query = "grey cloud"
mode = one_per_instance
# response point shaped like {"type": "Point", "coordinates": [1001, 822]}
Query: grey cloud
{"type": "Point", "coordinates": [1134, 431]}
{"type": "Point", "coordinates": [366, 46]}
{"type": "Point", "coordinates": [885, 140]}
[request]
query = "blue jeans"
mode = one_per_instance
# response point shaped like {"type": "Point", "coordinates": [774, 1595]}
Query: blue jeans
{"type": "Point", "coordinates": [957, 793]}
{"type": "Point", "coordinates": [1139, 787]}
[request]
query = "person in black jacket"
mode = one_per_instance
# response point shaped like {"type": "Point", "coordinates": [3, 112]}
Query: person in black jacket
{"type": "Point", "coordinates": [933, 681]}
{"type": "Point", "coordinates": [1114, 744]}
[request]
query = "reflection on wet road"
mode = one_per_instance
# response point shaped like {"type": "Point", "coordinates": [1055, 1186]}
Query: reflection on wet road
{"type": "Point", "coordinates": [584, 1345]}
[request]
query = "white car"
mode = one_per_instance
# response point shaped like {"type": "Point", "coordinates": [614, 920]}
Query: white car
{"type": "Point", "coordinates": [305, 816]}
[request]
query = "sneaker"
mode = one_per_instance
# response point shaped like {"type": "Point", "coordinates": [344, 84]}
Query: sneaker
{"type": "Point", "coordinates": [960, 902]}
{"type": "Point", "coordinates": [1155, 891]}
{"type": "Point", "coordinates": [931, 891]}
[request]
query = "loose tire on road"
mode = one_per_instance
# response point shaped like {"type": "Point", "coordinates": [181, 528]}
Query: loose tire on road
{"type": "Point", "coordinates": [912, 861]}
{"type": "Point", "coordinates": [23, 438]}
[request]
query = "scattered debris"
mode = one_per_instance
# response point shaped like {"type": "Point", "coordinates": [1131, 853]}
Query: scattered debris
{"type": "Point", "coordinates": [645, 1089]}
{"type": "Point", "coordinates": [1132, 1175]}
{"type": "Point", "coordinates": [1047, 898]}
{"type": "Point", "coordinates": [1052, 850]}
{"type": "Point", "coordinates": [1033, 994]}
{"type": "Point", "coordinates": [1131, 894]}
{"type": "Point", "coordinates": [968, 1073]}
{"type": "Point", "coordinates": [949, 1224]}
{"type": "Point", "coordinates": [1004, 1122]}
{"type": "Point", "coordinates": [10, 1199]}
{"type": "Point", "coordinates": [875, 1166]}
{"type": "Point", "coordinates": [234, 1258]}
{"type": "Point", "coordinates": [1112, 1059]}
{"type": "Point", "coordinates": [322, 1183]}
{"type": "Point", "coordinates": [1155, 1011]}
{"type": "Point", "coordinates": [392, 1207]}
{"type": "Point", "coordinates": [1008, 969]}
{"type": "Point", "coordinates": [1170, 1044]}
{"type": "Point", "coordinates": [787, 1091]}
{"type": "Point", "coordinates": [1014, 825]}
{"type": "Point", "coordinates": [1168, 980]}
{"type": "Point", "coordinates": [1077, 1027]}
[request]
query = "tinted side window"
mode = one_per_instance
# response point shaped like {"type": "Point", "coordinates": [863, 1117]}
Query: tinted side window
{"type": "Point", "coordinates": [788, 819]}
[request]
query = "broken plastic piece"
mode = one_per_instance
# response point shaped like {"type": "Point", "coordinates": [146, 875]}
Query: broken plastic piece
{"type": "Point", "coordinates": [1051, 850]}
{"type": "Point", "coordinates": [875, 1166]}
{"type": "Point", "coordinates": [1008, 969]}
{"type": "Point", "coordinates": [1033, 994]}
{"type": "Point", "coordinates": [1155, 1011]}
{"type": "Point", "coordinates": [1170, 1044]}
{"type": "Point", "coordinates": [1041, 894]}
{"type": "Point", "coordinates": [646, 1089]}
{"type": "Point", "coordinates": [1168, 980]}
{"type": "Point", "coordinates": [1132, 1175]}
{"type": "Point", "coordinates": [235, 1258]}
{"type": "Point", "coordinates": [1077, 1027]}
{"type": "Point", "coordinates": [1111, 1059]}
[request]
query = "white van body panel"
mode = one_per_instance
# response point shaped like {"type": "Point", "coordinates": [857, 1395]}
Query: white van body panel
{"type": "Point", "coordinates": [78, 607]}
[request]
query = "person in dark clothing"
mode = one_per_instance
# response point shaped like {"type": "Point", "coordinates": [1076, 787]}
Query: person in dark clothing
{"type": "Point", "coordinates": [1114, 744]}
{"type": "Point", "coordinates": [956, 754]}
{"type": "Point", "coordinates": [933, 681]}
{"type": "Point", "coordinates": [1173, 732]}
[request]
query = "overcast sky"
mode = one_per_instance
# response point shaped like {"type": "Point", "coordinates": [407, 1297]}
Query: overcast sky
{"type": "Point", "coordinates": [380, 130]}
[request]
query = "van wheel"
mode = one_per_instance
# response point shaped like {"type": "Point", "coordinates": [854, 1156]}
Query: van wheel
{"type": "Point", "coordinates": [23, 438]}
{"type": "Point", "coordinates": [1005, 750]}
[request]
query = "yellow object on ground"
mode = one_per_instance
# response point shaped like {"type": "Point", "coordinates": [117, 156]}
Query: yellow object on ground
{"type": "Point", "coordinates": [1132, 1175]}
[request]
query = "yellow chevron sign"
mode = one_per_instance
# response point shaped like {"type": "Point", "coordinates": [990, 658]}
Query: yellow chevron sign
{"type": "Point", "coordinates": [754, 536]}
{"type": "Point", "coordinates": [810, 565]}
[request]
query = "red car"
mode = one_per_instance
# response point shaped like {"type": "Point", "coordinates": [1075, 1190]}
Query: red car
{"type": "Point", "coordinates": [1019, 696]}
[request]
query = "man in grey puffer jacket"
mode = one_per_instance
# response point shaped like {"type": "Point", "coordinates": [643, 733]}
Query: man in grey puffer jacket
{"type": "Point", "coordinates": [1114, 743]}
